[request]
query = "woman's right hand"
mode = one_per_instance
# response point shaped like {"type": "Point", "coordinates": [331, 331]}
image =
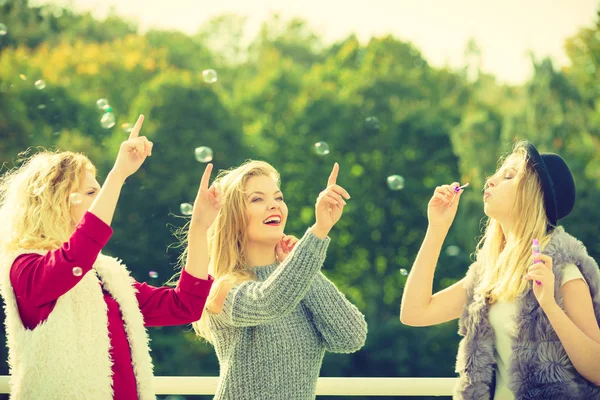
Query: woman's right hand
{"type": "Point", "coordinates": [330, 205]}
{"type": "Point", "coordinates": [133, 152]}
{"type": "Point", "coordinates": [207, 203]}
{"type": "Point", "coordinates": [443, 205]}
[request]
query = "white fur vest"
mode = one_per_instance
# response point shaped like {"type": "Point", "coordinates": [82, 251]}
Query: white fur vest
{"type": "Point", "coordinates": [67, 356]}
{"type": "Point", "coordinates": [540, 368]}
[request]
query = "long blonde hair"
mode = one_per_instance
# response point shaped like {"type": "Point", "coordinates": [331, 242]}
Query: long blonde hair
{"type": "Point", "coordinates": [505, 262]}
{"type": "Point", "coordinates": [227, 237]}
{"type": "Point", "coordinates": [34, 200]}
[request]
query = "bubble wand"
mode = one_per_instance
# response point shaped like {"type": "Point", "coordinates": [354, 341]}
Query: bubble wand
{"type": "Point", "coordinates": [457, 189]}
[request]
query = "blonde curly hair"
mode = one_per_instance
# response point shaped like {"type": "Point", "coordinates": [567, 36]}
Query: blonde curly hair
{"type": "Point", "coordinates": [34, 199]}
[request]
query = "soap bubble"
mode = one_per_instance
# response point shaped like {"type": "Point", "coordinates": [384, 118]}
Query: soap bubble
{"type": "Point", "coordinates": [209, 75]}
{"type": "Point", "coordinates": [203, 154]}
{"type": "Point", "coordinates": [372, 123]}
{"type": "Point", "coordinates": [395, 182]}
{"type": "Point", "coordinates": [75, 198]}
{"type": "Point", "coordinates": [186, 208]}
{"type": "Point", "coordinates": [108, 120]}
{"type": "Point", "coordinates": [452, 251]}
{"type": "Point", "coordinates": [102, 104]}
{"type": "Point", "coordinates": [127, 127]}
{"type": "Point", "coordinates": [322, 148]}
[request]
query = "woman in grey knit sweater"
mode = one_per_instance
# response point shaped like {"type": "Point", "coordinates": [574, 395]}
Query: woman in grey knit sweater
{"type": "Point", "coordinates": [272, 314]}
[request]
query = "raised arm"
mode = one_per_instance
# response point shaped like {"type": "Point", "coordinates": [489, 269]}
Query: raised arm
{"type": "Point", "coordinates": [39, 280]}
{"type": "Point", "coordinates": [252, 303]}
{"type": "Point", "coordinates": [206, 207]}
{"type": "Point", "coordinates": [420, 307]}
{"type": "Point", "coordinates": [131, 156]}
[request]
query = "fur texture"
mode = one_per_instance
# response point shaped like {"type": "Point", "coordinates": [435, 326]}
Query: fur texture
{"type": "Point", "coordinates": [67, 356]}
{"type": "Point", "coordinates": [540, 368]}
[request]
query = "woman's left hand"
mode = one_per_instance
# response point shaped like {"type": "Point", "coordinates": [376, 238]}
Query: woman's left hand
{"type": "Point", "coordinates": [542, 272]}
{"type": "Point", "coordinates": [285, 246]}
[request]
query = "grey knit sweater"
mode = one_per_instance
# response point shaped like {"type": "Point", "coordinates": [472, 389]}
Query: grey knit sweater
{"type": "Point", "coordinates": [272, 334]}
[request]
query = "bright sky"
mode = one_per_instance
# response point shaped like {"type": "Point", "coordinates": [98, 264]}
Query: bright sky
{"type": "Point", "coordinates": [504, 30]}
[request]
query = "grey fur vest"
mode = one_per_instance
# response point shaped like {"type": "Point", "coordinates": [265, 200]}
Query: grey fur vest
{"type": "Point", "coordinates": [540, 368]}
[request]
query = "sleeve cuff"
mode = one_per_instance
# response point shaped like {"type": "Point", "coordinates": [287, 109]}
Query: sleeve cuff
{"type": "Point", "coordinates": [190, 284]}
{"type": "Point", "coordinates": [313, 243]}
{"type": "Point", "coordinates": [95, 229]}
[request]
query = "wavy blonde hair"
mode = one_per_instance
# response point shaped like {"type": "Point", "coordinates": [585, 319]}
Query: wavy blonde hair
{"type": "Point", "coordinates": [34, 200]}
{"type": "Point", "coordinates": [506, 262]}
{"type": "Point", "coordinates": [227, 236]}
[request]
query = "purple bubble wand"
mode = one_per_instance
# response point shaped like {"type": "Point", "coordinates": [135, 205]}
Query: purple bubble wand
{"type": "Point", "coordinates": [457, 190]}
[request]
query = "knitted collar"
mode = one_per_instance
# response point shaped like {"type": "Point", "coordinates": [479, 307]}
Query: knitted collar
{"type": "Point", "coordinates": [264, 271]}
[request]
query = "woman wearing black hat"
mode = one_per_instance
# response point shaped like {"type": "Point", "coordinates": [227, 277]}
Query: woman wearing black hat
{"type": "Point", "coordinates": [531, 330]}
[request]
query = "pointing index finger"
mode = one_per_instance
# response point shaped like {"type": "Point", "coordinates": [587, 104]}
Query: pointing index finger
{"type": "Point", "coordinates": [135, 132]}
{"type": "Point", "coordinates": [334, 174]}
{"type": "Point", "coordinates": [206, 176]}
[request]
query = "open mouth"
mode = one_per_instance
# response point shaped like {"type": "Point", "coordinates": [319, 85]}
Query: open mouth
{"type": "Point", "coordinates": [273, 220]}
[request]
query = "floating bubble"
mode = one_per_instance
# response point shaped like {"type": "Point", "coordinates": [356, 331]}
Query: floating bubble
{"type": "Point", "coordinates": [23, 77]}
{"type": "Point", "coordinates": [372, 123]}
{"type": "Point", "coordinates": [108, 120]}
{"type": "Point", "coordinates": [403, 272]}
{"type": "Point", "coordinates": [75, 198]}
{"type": "Point", "coordinates": [3, 29]}
{"type": "Point", "coordinates": [127, 127]}
{"type": "Point", "coordinates": [395, 182]}
{"type": "Point", "coordinates": [153, 274]}
{"type": "Point", "coordinates": [40, 84]}
{"type": "Point", "coordinates": [209, 75]}
{"type": "Point", "coordinates": [77, 271]}
{"type": "Point", "coordinates": [102, 104]}
{"type": "Point", "coordinates": [322, 148]}
{"type": "Point", "coordinates": [186, 208]}
{"type": "Point", "coordinates": [42, 106]}
{"type": "Point", "coordinates": [203, 154]}
{"type": "Point", "coordinates": [418, 63]}
{"type": "Point", "coordinates": [452, 251]}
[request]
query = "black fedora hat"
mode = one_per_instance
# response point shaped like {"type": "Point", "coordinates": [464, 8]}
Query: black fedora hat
{"type": "Point", "coordinates": [557, 183]}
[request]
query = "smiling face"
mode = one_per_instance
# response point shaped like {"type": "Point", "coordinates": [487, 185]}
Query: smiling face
{"type": "Point", "coordinates": [267, 212]}
{"type": "Point", "coordinates": [501, 190]}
